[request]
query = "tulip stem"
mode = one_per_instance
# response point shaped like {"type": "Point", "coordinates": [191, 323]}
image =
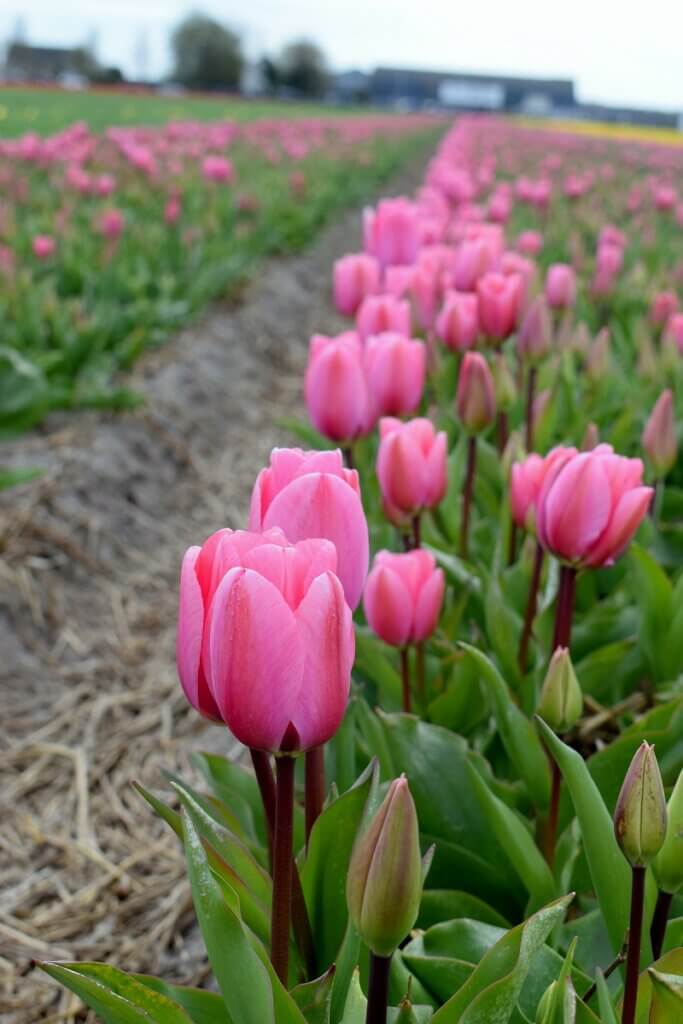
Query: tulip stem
{"type": "Point", "coordinates": [530, 610]}
{"type": "Point", "coordinates": [502, 430]}
{"type": "Point", "coordinates": [300, 922]}
{"type": "Point", "coordinates": [512, 543]}
{"type": "Point", "coordinates": [565, 608]}
{"type": "Point", "coordinates": [530, 395]}
{"type": "Point", "coordinates": [417, 532]}
{"type": "Point", "coordinates": [348, 456]}
{"type": "Point", "coordinates": [617, 962]}
{"type": "Point", "coordinates": [659, 922]}
{"type": "Point", "coordinates": [420, 670]}
{"type": "Point", "coordinates": [314, 793]}
{"type": "Point", "coordinates": [467, 495]}
{"type": "Point", "coordinates": [635, 929]}
{"type": "Point", "coordinates": [405, 679]}
{"type": "Point", "coordinates": [378, 989]}
{"type": "Point", "coordinates": [282, 867]}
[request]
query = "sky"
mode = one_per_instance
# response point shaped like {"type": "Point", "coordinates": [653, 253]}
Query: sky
{"type": "Point", "coordinates": [617, 51]}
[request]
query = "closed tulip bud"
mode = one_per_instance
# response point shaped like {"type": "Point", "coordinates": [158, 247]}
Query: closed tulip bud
{"type": "Point", "coordinates": [355, 276]}
{"type": "Point", "coordinates": [640, 813]}
{"type": "Point", "coordinates": [335, 387]}
{"type": "Point", "coordinates": [668, 864]}
{"type": "Point", "coordinates": [560, 286]}
{"type": "Point", "coordinates": [529, 243]}
{"type": "Point", "coordinates": [391, 232]}
{"type": "Point", "coordinates": [411, 467]}
{"type": "Point", "coordinates": [663, 307]}
{"type": "Point", "coordinates": [503, 382]}
{"type": "Point", "coordinates": [597, 362]}
{"type": "Point", "coordinates": [475, 398]}
{"type": "Point", "coordinates": [395, 368]}
{"type": "Point", "coordinates": [457, 325]}
{"type": "Point", "coordinates": [659, 436]}
{"type": "Point", "coordinates": [384, 883]}
{"type": "Point", "coordinates": [500, 301]}
{"type": "Point", "coordinates": [378, 314]}
{"type": "Point", "coordinates": [561, 700]}
{"type": "Point", "coordinates": [674, 332]}
{"type": "Point", "coordinates": [403, 596]}
{"type": "Point", "coordinates": [535, 335]}
{"type": "Point", "coordinates": [591, 437]}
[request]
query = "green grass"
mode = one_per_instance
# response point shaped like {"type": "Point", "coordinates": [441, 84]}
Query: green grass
{"type": "Point", "coordinates": [46, 110]}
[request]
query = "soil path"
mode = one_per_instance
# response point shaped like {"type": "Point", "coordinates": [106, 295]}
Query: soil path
{"type": "Point", "coordinates": [89, 559]}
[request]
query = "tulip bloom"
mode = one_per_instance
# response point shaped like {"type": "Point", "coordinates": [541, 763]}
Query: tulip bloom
{"type": "Point", "coordinates": [43, 246]}
{"type": "Point", "coordinates": [403, 596]}
{"type": "Point", "coordinates": [674, 331]}
{"type": "Point", "coordinates": [475, 399]}
{"type": "Point", "coordinates": [111, 224]}
{"type": "Point", "coordinates": [560, 286]}
{"type": "Point", "coordinates": [535, 334]}
{"type": "Point", "coordinates": [664, 305]}
{"type": "Point", "coordinates": [265, 638]}
{"type": "Point", "coordinates": [411, 467]}
{"type": "Point", "coordinates": [380, 313]}
{"type": "Point", "coordinates": [659, 436]}
{"type": "Point", "coordinates": [355, 277]}
{"type": "Point", "coordinates": [500, 300]}
{"type": "Point", "coordinates": [391, 232]}
{"type": "Point", "coordinates": [335, 387]}
{"type": "Point", "coordinates": [458, 322]}
{"type": "Point", "coordinates": [311, 494]}
{"type": "Point", "coordinates": [218, 169]}
{"type": "Point", "coordinates": [395, 368]}
{"type": "Point", "coordinates": [529, 243]}
{"type": "Point", "coordinates": [526, 481]}
{"type": "Point", "coordinates": [590, 506]}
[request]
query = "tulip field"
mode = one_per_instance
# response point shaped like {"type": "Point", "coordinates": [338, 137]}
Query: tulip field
{"type": "Point", "coordinates": [419, 755]}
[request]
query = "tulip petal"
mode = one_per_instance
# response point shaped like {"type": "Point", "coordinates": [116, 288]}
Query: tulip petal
{"type": "Point", "coordinates": [577, 507]}
{"type": "Point", "coordinates": [428, 607]}
{"type": "Point", "coordinates": [189, 639]}
{"type": "Point", "coordinates": [328, 638]}
{"type": "Point", "coordinates": [321, 505]}
{"type": "Point", "coordinates": [388, 606]}
{"type": "Point", "coordinates": [625, 520]}
{"type": "Point", "coordinates": [256, 658]}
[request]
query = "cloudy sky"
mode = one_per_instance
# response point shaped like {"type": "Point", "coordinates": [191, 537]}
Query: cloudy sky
{"type": "Point", "coordinates": [619, 52]}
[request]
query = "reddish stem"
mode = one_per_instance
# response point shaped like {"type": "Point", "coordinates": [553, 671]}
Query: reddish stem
{"type": "Point", "coordinates": [512, 543]}
{"type": "Point", "coordinates": [502, 430]}
{"type": "Point", "coordinates": [405, 679]}
{"type": "Point", "coordinates": [659, 922]}
{"type": "Point", "coordinates": [282, 867]}
{"type": "Point", "coordinates": [378, 989]}
{"type": "Point", "coordinates": [531, 605]}
{"type": "Point", "coordinates": [467, 495]}
{"type": "Point", "coordinates": [565, 608]}
{"type": "Point", "coordinates": [314, 793]}
{"type": "Point", "coordinates": [417, 532]}
{"type": "Point", "coordinates": [530, 394]}
{"type": "Point", "coordinates": [635, 929]}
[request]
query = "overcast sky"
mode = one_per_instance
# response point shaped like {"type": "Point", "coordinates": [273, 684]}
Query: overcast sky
{"type": "Point", "coordinates": [618, 51]}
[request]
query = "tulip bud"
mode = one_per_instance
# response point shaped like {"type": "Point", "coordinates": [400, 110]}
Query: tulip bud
{"type": "Point", "coordinates": [503, 382]}
{"type": "Point", "coordinates": [475, 398]}
{"type": "Point", "coordinates": [591, 437]}
{"type": "Point", "coordinates": [597, 361]}
{"type": "Point", "coordinates": [384, 883]}
{"type": "Point", "coordinates": [659, 435]}
{"type": "Point", "coordinates": [668, 864]}
{"type": "Point", "coordinates": [535, 334]}
{"type": "Point", "coordinates": [640, 813]}
{"type": "Point", "coordinates": [561, 701]}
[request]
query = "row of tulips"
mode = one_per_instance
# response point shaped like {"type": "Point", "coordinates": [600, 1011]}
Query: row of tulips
{"type": "Point", "coordinates": [500, 675]}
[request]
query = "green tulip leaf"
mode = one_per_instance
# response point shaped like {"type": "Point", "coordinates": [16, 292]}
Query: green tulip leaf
{"type": "Point", "coordinates": [356, 1005]}
{"type": "Point", "coordinates": [314, 998]}
{"type": "Point", "coordinates": [202, 1007]}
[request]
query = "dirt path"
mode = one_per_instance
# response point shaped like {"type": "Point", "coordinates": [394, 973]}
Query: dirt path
{"type": "Point", "coordinates": [89, 557]}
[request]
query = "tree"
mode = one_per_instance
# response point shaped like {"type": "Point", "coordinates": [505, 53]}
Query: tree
{"type": "Point", "coordinates": [207, 54]}
{"type": "Point", "coordinates": [303, 68]}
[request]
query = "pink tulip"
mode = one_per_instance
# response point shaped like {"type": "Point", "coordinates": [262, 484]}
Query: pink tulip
{"type": "Point", "coordinates": [355, 277]}
{"type": "Point", "coordinates": [403, 597]}
{"type": "Point", "coordinates": [674, 331]}
{"type": "Point", "coordinates": [529, 243]}
{"type": "Point", "coordinates": [395, 368]}
{"type": "Point", "coordinates": [458, 322]}
{"type": "Point", "coordinates": [535, 335]}
{"type": "Point", "coordinates": [172, 210]}
{"type": "Point", "coordinates": [265, 638]}
{"type": "Point", "coordinates": [500, 299]}
{"type": "Point", "coordinates": [411, 467]}
{"type": "Point", "coordinates": [475, 399]}
{"type": "Point", "coordinates": [659, 436]}
{"type": "Point", "coordinates": [218, 169]}
{"type": "Point", "coordinates": [608, 263]}
{"type": "Point", "coordinates": [663, 307]}
{"type": "Point", "coordinates": [473, 259]}
{"type": "Point", "coordinates": [111, 224]}
{"type": "Point", "coordinates": [560, 286]}
{"type": "Point", "coordinates": [397, 281]}
{"type": "Point", "coordinates": [311, 494]}
{"type": "Point", "coordinates": [526, 481]}
{"type": "Point", "coordinates": [104, 185]}
{"type": "Point", "coordinates": [43, 246]}
{"type": "Point", "coordinates": [335, 388]}
{"type": "Point", "coordinates": [590, 506]}
{"type": "Point", "coordinates": [391, 232]}
{"type": "Point", "coordinates": [380, 313]}
{"type": "Point", "coordinates": [425, 290]}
